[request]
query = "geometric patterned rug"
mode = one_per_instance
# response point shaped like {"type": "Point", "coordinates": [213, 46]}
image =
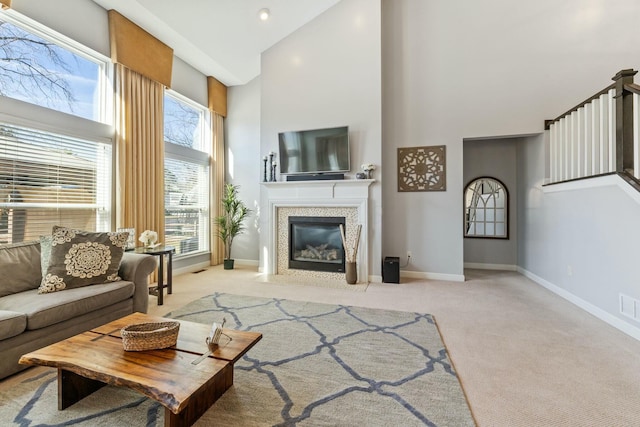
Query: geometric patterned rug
{"type": "Point", "coordinates": [320, 364]}
{"type": "Point", "coordinates": [316, 365]}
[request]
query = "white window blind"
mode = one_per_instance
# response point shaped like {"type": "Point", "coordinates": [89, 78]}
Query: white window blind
{"type": "Point", "coordinates": [186, 205]}
{"type": "Point", "coordinates": [51, 179]}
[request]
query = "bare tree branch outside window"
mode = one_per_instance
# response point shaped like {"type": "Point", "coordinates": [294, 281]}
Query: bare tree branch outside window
{"type": "Point", "coordinates": [181, 123]}
{"type": "Point", "coordinates": [41, 72]}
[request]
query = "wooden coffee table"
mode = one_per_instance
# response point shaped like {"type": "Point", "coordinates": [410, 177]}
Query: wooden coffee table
{"type": "Point", "coordinates": [186, 383]}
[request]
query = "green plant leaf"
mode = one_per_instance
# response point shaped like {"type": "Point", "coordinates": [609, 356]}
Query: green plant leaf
{"type": "Point", "coordinates": [230, 223]}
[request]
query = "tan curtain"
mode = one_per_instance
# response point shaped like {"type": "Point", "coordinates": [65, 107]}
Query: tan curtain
{"type": "Point", "coordinates": [217, 185]}
{"type": "Point", "coordinates": [140, 152]}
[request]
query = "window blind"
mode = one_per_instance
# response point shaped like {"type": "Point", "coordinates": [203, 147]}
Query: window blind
{"type": "Point", "coordinates": [186, 204]}
{"type": "Point", "coordinates": [49, 179]}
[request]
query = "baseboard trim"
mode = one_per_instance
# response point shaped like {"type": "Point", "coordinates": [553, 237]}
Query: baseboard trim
{"type": "Point", "coordinates": [191, 268]}
{"type": "Point", "coordinates": [606, 317]}
{"type": "Point", "coordinates": [375, 279]}
{"type": "Point", "coordinates": [247, 262]}
{"type": "Point", "coordinates": [199, 266]}
{"type": "Point", "coordinates": [432, 276]}
{"type": "Point", "coordinates": [483, 266]}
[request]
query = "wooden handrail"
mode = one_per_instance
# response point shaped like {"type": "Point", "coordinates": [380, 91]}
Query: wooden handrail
{"type": "Point", "coordinates": [633, 88]}
{"type": "Point", "coordinates": [548, 123]}
{"type": "Point", "coordinates": [630, 179]}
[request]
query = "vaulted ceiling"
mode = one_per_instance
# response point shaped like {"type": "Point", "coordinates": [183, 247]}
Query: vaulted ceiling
{"type": "Point", "coordinates": [220, 38]}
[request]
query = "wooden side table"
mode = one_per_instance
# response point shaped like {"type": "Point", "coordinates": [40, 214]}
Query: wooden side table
{"type": "Point", "coordinates": [161, 252]}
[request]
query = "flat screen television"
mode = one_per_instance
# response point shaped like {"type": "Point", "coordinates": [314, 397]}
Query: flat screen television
{"type": "Point", "coordinates": [314, 151]}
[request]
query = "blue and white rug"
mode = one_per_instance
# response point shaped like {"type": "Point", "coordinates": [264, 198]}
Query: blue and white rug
{"type": "Point", "coordinates": [316, 365]}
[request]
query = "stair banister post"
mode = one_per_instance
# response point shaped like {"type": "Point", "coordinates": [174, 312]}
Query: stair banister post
{"type": "Point", "coordinates": [624, 120]}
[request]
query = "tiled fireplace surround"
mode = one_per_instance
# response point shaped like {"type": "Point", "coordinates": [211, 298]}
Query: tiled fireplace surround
{"type": "Point", "coordinates": [347, 198]}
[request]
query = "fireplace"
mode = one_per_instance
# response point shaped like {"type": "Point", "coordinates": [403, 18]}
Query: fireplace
{"type": "Point", "coordinates": [315, 243]}
{"type": "Point", "coordinates": [346, 198]}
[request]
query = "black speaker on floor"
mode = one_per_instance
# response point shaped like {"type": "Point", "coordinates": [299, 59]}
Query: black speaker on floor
{"type": "Point", "coordinates": [391, 270]}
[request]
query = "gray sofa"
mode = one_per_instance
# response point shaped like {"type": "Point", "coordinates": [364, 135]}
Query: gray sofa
{"type": "Point", "coordinates": [29, 320]}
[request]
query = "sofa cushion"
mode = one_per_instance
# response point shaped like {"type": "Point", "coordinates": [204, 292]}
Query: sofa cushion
{"type": "Point", "coordinates": [81, 258]}
{"type": "Point", "coordinates": [45, 310]}
{"type": "Point", "coordinates": [12, 324]}
{"type": "Point", "coordinates": [19, 267]}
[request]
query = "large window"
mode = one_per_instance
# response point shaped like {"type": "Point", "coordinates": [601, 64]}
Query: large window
{"type": "Point", "coordinates": [186, 174]}
{"type": "Point", "coordinates": [44, 68]}
{"type": "Point", "coordinates": [55, 148]}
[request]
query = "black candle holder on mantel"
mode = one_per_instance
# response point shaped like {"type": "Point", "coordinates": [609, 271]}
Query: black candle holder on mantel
{"type": "Point", "coordinates": [264, 171]}
{"type": "Point", "coordinates": [273, 171]}
{"type": "Point", "coordinates": [271, 168]}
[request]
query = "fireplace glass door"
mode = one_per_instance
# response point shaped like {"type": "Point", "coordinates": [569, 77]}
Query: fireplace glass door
{"type": "Point", "coordinates": [315, 243]}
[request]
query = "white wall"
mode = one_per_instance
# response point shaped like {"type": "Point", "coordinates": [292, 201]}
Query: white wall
{"type": "Point", "coordinates": [490, 68]}
{"type": "Point", "coordinates": [582, 243]}
{"type": "Point", "coordinates": [189, 82]}
{"type": "Point", "coordinates": [328, 74]}
{"type": "Point", "coordinates": [495, 158]}
{"type": "Point", "coordinates": [244, 167]}
{"type": "Point", "coordinates": [81, 20]}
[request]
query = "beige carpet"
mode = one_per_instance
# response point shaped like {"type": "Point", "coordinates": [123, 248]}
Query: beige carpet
{"type": "Point", "coordinates": [525, 356]}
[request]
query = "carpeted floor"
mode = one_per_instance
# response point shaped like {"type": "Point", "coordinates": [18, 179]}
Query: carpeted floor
{"type": "Point", "coordinates": [30, 398]}
{"type": "Point", "coordinates": [317, 364]}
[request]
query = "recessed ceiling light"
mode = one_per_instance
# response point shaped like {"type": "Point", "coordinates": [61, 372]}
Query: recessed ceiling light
{"type": "Point", "coordinates": [264, 14]}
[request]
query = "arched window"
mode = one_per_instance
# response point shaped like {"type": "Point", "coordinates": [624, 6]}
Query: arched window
{"type": "Point", "coordinates": [486, 202]}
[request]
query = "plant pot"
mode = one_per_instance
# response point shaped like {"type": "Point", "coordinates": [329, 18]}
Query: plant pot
{"type": "Point", "coordinates": [351, 273]}
{"type": "Point", "coordinates": [228, 264]}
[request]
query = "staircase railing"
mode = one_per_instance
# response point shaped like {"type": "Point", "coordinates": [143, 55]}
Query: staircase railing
{"type": "Point", "coordinates": [599, 136]}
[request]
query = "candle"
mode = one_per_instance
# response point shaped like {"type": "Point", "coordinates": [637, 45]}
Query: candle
{"type": "Point", "coordinates": [264, 158]}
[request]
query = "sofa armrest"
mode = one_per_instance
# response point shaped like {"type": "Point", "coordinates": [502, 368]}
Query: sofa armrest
{"type": "Point", "coordinates": [136, 268]}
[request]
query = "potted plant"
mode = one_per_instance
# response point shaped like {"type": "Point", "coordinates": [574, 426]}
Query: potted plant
{"type": "Point", "coordinates": [230, 223]}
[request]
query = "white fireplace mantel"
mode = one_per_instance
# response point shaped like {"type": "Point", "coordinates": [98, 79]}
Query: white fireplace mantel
{"type": "Point", "coordinates": [348, 193]}
{"type": "Point", "coordinates": [321, 189]}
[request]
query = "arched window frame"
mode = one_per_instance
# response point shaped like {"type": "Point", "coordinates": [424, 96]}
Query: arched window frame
{"type": "Point", "coordinates": [493, 212]}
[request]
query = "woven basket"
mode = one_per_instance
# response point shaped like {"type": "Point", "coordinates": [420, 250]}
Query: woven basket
{"type": "Point", "coordinates": [150, 336]}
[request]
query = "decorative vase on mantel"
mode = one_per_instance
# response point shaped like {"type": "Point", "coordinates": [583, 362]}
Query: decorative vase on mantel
{"type": "Point", "coordinates": [351, 272]}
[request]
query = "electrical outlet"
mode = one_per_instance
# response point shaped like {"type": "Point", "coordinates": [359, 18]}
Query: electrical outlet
{"type": "Point", "coordinates": [408, 254]}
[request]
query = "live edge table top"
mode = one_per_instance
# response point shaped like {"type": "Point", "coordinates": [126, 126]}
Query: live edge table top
{"type": "Point", "coordinates": [166, 375]}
